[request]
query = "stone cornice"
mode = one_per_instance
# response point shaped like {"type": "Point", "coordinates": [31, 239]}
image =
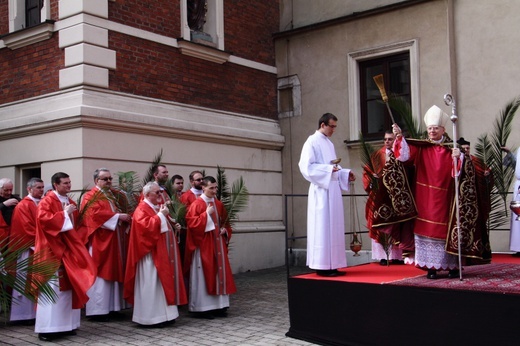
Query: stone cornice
{"type": "Point", "coordinates": [96, 108]}
{"type": "Point", "coordinates": [25, 37]}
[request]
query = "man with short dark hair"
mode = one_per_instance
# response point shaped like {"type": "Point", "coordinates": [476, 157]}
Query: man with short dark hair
{"type": "Point", "coordinates": [209, 232]}
{"type": "Point", "coordinates": [195, 191]}
{"type": "Point", "coordinates": [178, 185]}
{"type": "Point", "coordinates": [325, 220]}
{"type": "Point", "coordinates": [59, 240]}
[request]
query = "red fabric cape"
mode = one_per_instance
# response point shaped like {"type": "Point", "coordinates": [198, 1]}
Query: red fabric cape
{"type": "Point", "coordinates": [188, 198]}
{"type": "Point", "coordinates": [64, 248]}
{"type": "Point", "coordinates": [23, 223]}
{"type": "Point", "coordinates": [146, 237]}
{"type": "Point", "coordinates": [106, 251]}
{"type": "Point", "coordinates": [196, 219]}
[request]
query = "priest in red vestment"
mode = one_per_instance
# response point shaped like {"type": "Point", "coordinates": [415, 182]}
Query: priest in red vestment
{"type": "Point", "coordinates": [209, 232]}
{"type": "Point", "coordinates": [108, 229]}
{"type": "Point", "coordinates": [153, 279]}
{"type": "Point", "coordinates": [23, 233]}
{"type": "Point", "coordinates": [59, 240]}
{"type": "Point", "coordinates": [390, 207]}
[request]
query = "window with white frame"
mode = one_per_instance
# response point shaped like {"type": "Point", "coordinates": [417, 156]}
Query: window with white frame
{"type": "Point", "coordinates": [398, 64]}
{"type": "Point", "coordinates": [27, 13]}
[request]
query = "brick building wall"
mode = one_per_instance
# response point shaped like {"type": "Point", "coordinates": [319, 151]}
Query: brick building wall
{"type": "Point", "coordinates": [30, 71]}
{"type": "Point", "coordinates": [157, 16]}
{"type": "Point", "coordinates": [249, 26]}
{"type": "Point", "coordinates": [149, 69]}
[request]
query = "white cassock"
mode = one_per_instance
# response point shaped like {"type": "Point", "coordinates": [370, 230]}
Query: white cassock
{"type": "Point", "coordinates": [150, 305]}
{"type": "Point", "coordinates": [325, 219]}
{"type": "Point", "coordinates": [199, 299]}
{"type": "Point", "coordinates": [514, 241]}
{"type": "Point", "coordinates": [22, 308]}
{"type": "Point", "coordinates": [104, 296]}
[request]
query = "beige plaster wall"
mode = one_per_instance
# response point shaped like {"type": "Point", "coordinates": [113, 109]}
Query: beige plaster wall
{"type": "Point", "coordinates": [319, 58]}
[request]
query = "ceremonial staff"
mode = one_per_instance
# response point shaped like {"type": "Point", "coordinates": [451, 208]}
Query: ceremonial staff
{"type": "Point", "coordinates": [449, 101]}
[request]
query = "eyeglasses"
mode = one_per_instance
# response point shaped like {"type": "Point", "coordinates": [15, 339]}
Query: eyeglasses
{"type": "Point", "coordinates": [198, 179]}
{"type": "Point", "coordinates": [106, 179]}
{"type": "Point", "coordinates": [331, 126]}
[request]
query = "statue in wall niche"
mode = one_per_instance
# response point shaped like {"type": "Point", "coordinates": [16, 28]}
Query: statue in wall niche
{"type": "Point", "coordinates": [197, 14]}
{"type": "Point", "coordinates": [197, 10]}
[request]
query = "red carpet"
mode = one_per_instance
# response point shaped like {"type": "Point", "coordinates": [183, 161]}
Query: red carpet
{"type": "Point", "coordinates": [494, 277]}
{"type": "Point", "coordinates": [376, 274]}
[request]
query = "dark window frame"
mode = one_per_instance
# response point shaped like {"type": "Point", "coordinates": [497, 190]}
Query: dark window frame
{"type": "Point", "coordinates": [384, 63]}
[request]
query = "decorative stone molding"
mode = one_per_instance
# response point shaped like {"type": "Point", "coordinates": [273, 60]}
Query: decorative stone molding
{"type": "Point", "coordinates": [202, 52]}
{"type": "Point", "coordinates": [25, 37]}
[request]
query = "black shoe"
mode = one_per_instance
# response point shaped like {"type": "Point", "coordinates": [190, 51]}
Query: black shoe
{"type": "Point", "coordinates": [208, 315]}
{"type": "Point", "coordinates": [432, 274]}
{"type": "Point", "coordinates": [383, 262]}
{"type": "Point", "coordinates": [220, 312]}
{"type": "Point", "coordinates": [516, 254]}
{"type": "Point", "coordinates": [116, 315]}
{"type": "Point", "coordinates": [99, 318]}
{"type": "Point", "coordinates": [396, 261]}
{"type": "Point", "coordinates": [47, 336]}
{"type": "Point", "coordinates": [330, 273]}
{"type": "Point", "coordinates": [156, 325]}
{"type": "Point", "coordinates": [452, 274]}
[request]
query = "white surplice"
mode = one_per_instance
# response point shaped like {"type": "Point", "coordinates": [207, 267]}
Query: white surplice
{"type": "Point", "coordinates": [325, 219]}
{"type": "Point", "coordinates": [514, 241]}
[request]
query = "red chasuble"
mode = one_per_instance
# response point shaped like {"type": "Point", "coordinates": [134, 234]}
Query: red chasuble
{"type": "Point", "coordinates": [434, 187]}
{"type": "Point", "coordinates": [66, 249]}
{"type": "Point", "coordinates": [213, 248]}
{"type": "Point", "coordinates": [107, 245]}
{"type": "Point", "coordinates": [23, 223]}
{"type": "Point", "coordinates": [146, 237]}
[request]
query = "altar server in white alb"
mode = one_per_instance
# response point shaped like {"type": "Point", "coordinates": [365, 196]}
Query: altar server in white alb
{"type": "Point", "coordinates": [325, 219]}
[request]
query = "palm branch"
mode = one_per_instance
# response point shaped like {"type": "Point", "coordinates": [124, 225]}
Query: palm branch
{"type": "Point", "coordinates": [222, 186]}
{"type": "Point", "coordinates": [235, 200]}
{"type": "Point", "coordinates": [403, 109]}
{"type": "Point", "coordinates": [149, 174]}
{"type": "Point", "coordinates": [34, 284]}
{"type": "Point", "coordinates": [82, 210]}
{"type": "Point", "coordinates": [366, 153]}
{"type": "Point", "coordinates": [128, 185]}
{"type": "Point", "coordinates": [488, 149]}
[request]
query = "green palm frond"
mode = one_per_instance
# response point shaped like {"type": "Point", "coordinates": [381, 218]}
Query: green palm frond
{"type": "Point", "coordinates": [30, 285]}
{"type": "Point", "coordinates": [129, 186]}
{"type": "Point", "coordinates": [238, 200]}
{"type": "Point", "coordinates": [488, 149]}
{"type": "Point", "coordinates": [222, 185]}
{"type": "Point", "coordinates": [404, 111]}
{"type": "Point", "coordinates": [82, 211]}
{"type": "Point", "coordinates": [366, 153]}
{"type": "Point", "coordinates": [177, 210]}
{"type": "Point", "coordinates": [235, 200]}
{"type": "Point", "coordinates": [149, 174]}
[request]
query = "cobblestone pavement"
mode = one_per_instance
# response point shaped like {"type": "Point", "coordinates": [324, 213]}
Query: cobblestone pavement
{"type": "Point", "coordinates": [258, 315]}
